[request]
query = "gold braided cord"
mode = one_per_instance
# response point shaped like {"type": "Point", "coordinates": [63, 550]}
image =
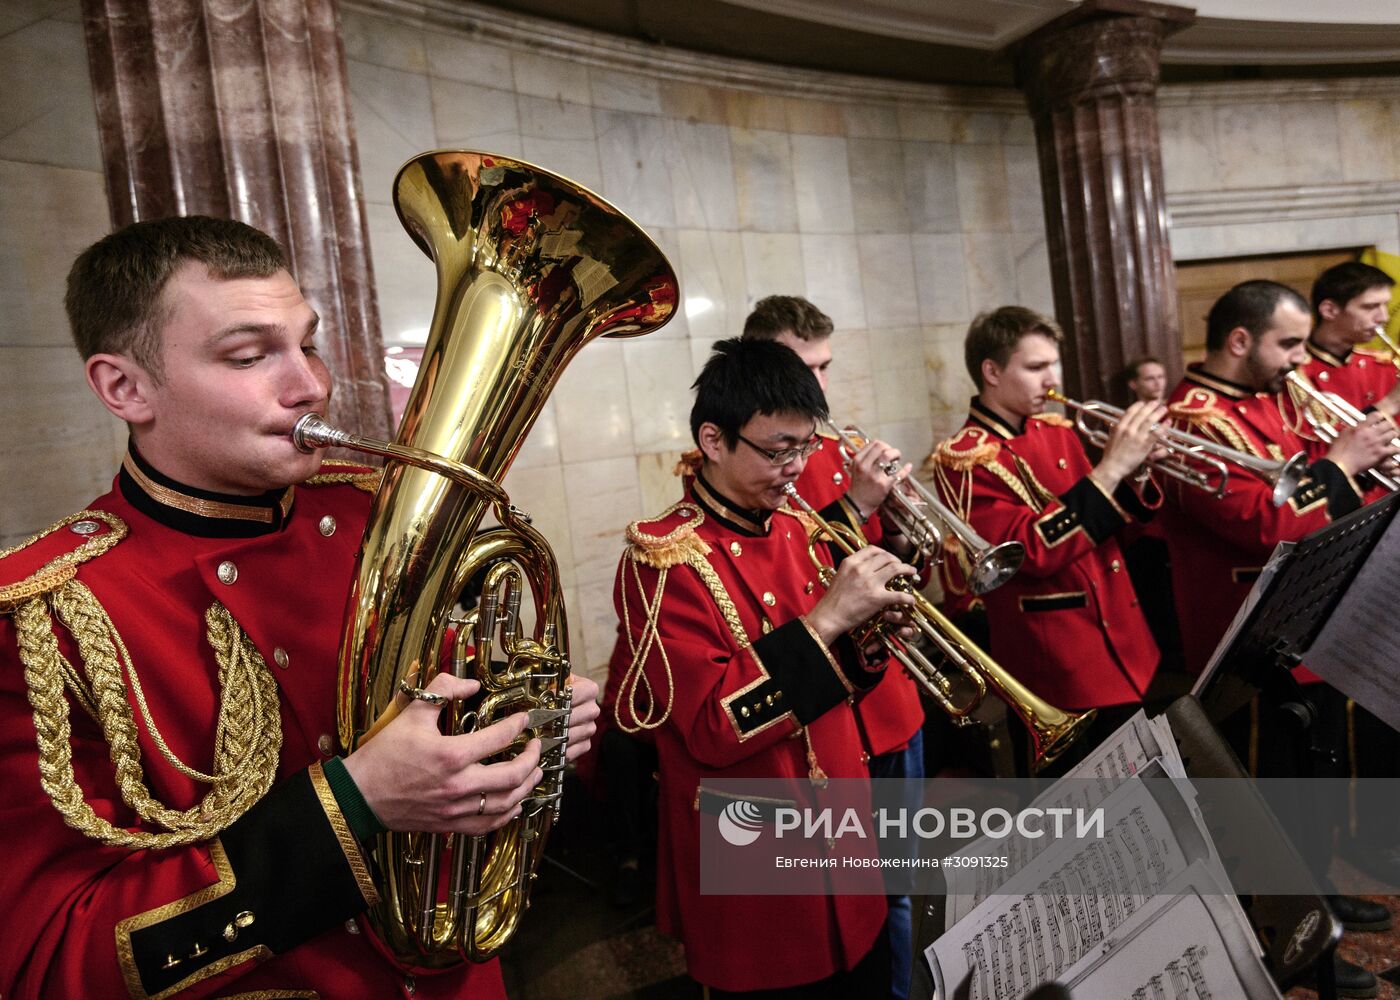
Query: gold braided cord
{"type": "Point", "coordinates": [636, 677]}
{"type": "Point", "coordinates": [248, 736]}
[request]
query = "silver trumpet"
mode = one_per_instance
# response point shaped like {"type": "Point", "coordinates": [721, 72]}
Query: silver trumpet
{"type": "Point", "coordinates": [1311, 400]}
{"type": "Point", "coordinates": [1194, 460]}
{"type": "Point", "coordinates": [926, 521]}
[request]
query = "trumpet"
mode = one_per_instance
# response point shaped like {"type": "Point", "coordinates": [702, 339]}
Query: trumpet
{"type": "Point", "coordinates": [926, 521]}
{"type": "Point", "coordinates": [1390, 344]}
{"type": "Point", "coordinates": [1341, 412]}
{"type": "Point", "coordinates": [1191, 459]}
{"type": "Point", "coordinates": [1052, 730]}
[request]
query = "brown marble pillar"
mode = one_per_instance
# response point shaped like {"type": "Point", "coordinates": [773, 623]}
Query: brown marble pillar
{"type": "Point", "coordinates": [239, 109]}
{"type": "Point", "coordinates": [1090, 79]}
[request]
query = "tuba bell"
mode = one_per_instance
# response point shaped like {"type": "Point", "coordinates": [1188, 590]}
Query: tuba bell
{"type": "Point", "coordinates": [530, 268]}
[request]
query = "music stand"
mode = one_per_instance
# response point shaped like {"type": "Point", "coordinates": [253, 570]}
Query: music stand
{"type": "Point", "coordinates": [1300, 588]}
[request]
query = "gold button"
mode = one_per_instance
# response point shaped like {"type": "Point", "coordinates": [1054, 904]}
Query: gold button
{"type": "Point", "coordinates": [1322, 376]}
{"type": "Point", "coordinates": [326, 745]}
{"type": "Point", "coordinates": [736, 548]}
{"type": "Point", "coordinates": [768, 700]}
{"type": "Point", "coordinates": [1062, 463]}
{"type": "Point", "coordinates": [744, 711]}
{"type": "Point", "coordinates": [766, 625]}
{"type": "Point", "coordinates": [279, 656]}
{"type": "Point", "coordinates": [769, 599]}
{"type": "Point", "coordinates": [327, 526]}
{"type": "Point", "coordinates": [199, 951]}
{"type": "Point", "coordinates": [684, 512]}
{"type": "Point", "coordinates": [837, 478]}
{"type": "Point", "coordinates": [352, 927]}
{"type": "Point", "coordinates": [227, 572]}
{"type": "Point", "coordinates": [85, 527]}
{"type": "Point", "coordinates": [1115, 565]}
{"type": "Point", "coordinates": [244, 918]}
{"type": "Point", "coordinates": [809, 587]}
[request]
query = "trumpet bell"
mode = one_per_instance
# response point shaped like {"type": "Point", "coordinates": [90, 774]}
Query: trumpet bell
{"type": "Point", "coordinates": [995, 566]}
{"type": "Point", "coordinates": [1288, 477]}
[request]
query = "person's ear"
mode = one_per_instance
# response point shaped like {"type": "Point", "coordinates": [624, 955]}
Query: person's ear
{"type": "Point", "coordinates": [1238, 342]}
{"type": "Point", "coordinates": [1328, 310]}
{"type": "Point", "coordinates": [991, 372]}
{"type": "Point", "coordinates": [712, 444]}
{"type": "Point", "coordinates": [123, 386]}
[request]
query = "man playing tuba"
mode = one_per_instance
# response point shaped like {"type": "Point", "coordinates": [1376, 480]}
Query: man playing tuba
{"type": "Point", "coordinates": [176, 818]}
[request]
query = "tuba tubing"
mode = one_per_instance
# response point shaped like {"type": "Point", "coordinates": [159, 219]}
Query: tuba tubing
{"type": "Point", "coordinates": [530, 268]}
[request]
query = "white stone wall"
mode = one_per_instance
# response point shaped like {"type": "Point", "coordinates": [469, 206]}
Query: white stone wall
{"type": "Point", "coordinates": [901, 210]}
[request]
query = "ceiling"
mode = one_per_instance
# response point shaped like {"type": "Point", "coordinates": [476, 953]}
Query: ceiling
{"type": "Point", "coordinates": [959, 41]}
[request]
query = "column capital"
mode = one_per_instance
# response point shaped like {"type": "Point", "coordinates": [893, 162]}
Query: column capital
{"type": "Point", "coordinates": [1101, 48]}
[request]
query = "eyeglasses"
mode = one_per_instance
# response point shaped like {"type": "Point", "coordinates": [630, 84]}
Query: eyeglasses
{"type": "Point", "coordinates": [785, 455]}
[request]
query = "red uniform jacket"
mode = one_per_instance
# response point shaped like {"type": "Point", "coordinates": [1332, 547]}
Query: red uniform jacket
{"type": "Point", "coordinates": [732, 683]}
{"type": "Point", "coordinates": [889, 715]}
{"type": "Point", "coordinates": [264, 906]}
{"type": "Point", "coordinates": [1220, 544]}
{"type": "Point", "coordinates": [1068, 624]}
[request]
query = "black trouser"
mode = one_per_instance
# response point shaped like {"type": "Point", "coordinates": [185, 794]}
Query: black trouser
{"type": "Point", "coordinates": [627, 765]}
{"type": "Point", "coordinates": [869, 980]}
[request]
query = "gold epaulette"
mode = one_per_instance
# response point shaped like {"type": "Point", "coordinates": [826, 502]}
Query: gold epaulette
{"type": "Point", "coordinates": [689, 463]}
{"type": "Point", "coordinates": [1200, 409]}
{"type": "Point", "coordinates": [827, 433]}
{"type": "Point", "coordinates": [51, 558]}
{"type": "Point", "coordinates": [970, 447]}
{"type": "Point", "coordinates": [361, 477]}
{"type": "Point", "coordinates": [1372, 353]}
{"type": "Point", "coordinates": [668, 539]}
{"type": "Point", "coordinates": [1053, 419]}
{"type": "Point", "coordinates": [803, 518]}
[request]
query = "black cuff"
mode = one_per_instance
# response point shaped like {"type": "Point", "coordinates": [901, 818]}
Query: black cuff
{"type": "Point", "coordinates": [808, 680]}
{"type": "Point", "coordinates": [1085, 505]}
{"type": "Point", "coordinates": [1326, 481]}
{"type": "Point", "coordinates": [288, 870]}
{"type": "Point", "coordinates": [1141, 507]}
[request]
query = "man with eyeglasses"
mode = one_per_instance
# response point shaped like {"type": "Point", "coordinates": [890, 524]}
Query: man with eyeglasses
{"type": "Point", "coordinates": [741, 667]}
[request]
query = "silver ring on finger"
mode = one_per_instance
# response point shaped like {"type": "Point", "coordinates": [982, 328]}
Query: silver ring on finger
{"type": "Point", "coordinates": [481, 807]}
{"type": "Point", "coordinates": [422, 694]}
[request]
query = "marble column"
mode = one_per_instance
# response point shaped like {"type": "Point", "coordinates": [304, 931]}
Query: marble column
{"type": "Point", "coordinates": [1090, 80]}
{"type": "Point", "coordinates": [239, 109]}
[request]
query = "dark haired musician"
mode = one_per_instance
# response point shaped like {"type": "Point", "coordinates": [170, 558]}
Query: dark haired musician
{"type": "Point", "coordinates": [891, 716]}
{"type": "Point", "coordinates": [1068, 624]}
{"type": "Point", "coordinates": [174, 815]}
{"type": "Point", "coordinates": [1255, 335]}
{"type": "Point", "coordinates": [1349, 300]}
{"type": "Point", "coordinates": [740, 667]}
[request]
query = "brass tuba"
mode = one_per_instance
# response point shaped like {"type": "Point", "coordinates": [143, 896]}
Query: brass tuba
{"type": "Point", "coordinates": [530, 268]}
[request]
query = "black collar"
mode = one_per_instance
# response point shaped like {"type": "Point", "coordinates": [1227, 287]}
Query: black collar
{"type": "Point", "coordinates": [984, 416]}
{"type": "Point", "coordinates": [745, 522]}
{"type": "Point", "coordinates": [1234, 390]}
{"type": "Point", "coordinates": [1322, 354]}
{"type": "Point", "coordinates": [200, 512]}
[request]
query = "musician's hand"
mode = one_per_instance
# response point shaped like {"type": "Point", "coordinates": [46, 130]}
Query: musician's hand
{"type": "Point", "coordinates": [1364, 446]}
{"type": "Point", "coordinates": [584, 715]}
{"type": "Point", "coordinates": [1389, 404]}
{"type": "Point", "coordinates": [415, 778]}
{"type": "Point", "coordinates": [870, 483]}
{"type": "Point", "coordinates": [859, 592]}
{"type": "Point", "coordinates": [1132, 440]}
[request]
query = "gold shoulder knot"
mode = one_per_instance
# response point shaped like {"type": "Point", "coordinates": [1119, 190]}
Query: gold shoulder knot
{"type": "Point", "coordinates": [970, 447]}
{"type": "Point", "coordinates": [1197, 405]}
{"type": "Point", "coordinates": [689, 463]}
{"type": "Point", "coordinates": [1053, 419]}
{"type": "Point", "coordinates": [803, 518]}
{"type": "Point", "coordinates": [361, 477]}
{"type": "Point", "coordinates": [51, 558]}
{"type": "Point", "coordinates": [668, 540]}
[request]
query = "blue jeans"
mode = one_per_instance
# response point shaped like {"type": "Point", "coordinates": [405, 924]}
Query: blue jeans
{"type": "Point", "coordinates": [906, 764]}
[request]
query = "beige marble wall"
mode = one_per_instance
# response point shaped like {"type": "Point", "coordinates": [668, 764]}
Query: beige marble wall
{"type": "Point", "coordinates": [899, 219]}
{"type": "Point", "coordinates": [60, 445]}
{"type": "Point", "coordinates": [1258, 168]}
{"type": "Point", "coordinates": [897, 209]}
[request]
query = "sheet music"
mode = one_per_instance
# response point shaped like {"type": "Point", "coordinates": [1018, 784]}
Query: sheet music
{"type": "Point", "coordinates": [1186, 944]}
{"type": "Point", "coordinates": [1128, 752]}
{"type": "Point", "coordinates": [1074, 896]}
{"type": "Point", "coordinates": [1357, 649]}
